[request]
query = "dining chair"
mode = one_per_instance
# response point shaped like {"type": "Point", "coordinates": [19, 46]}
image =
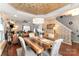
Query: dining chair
{"type": "Point", "coordinates": [55, 47]}
{"type": "Point", "coordinates": [24, 51]}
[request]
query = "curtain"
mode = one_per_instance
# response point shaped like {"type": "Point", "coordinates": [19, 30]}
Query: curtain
{"type": "Point", "coordinates": [1, 30]}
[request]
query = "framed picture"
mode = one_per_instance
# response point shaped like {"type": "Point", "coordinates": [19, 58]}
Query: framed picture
{"type": "Point", "coordinates": [50, 26]}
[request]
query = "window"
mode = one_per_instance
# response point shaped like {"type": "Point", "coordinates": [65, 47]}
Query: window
{"type": "Point", "coordinates": [26, 28]}
{"type": "Point", "coordinates": [1, 30]}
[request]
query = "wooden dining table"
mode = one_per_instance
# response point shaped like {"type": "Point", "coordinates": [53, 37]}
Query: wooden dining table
{"type": "Point", "coordinates": [39, 45]}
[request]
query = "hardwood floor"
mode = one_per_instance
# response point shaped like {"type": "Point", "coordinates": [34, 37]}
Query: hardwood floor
{"type": "Point", "coordinates": [65, 50]}
{"type": "Point", "coordinates": [10, 50]}
{"type": "Point", "coordinates": [69, 50]}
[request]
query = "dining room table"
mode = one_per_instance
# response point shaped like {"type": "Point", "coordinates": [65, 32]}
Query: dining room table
{"type": "Point", "coordinates": [38, 44]}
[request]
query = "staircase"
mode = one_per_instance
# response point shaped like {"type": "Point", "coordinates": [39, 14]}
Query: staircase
{"type": "Point", "coordinates": [71, 23]}
{"type": "Point", "coordinates": [64, 32]}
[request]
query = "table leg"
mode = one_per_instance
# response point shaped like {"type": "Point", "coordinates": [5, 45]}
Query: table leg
{"type": "Point", "coordinates": [39, 54]}
{"type": "Point", "coordinates": [49, 51]}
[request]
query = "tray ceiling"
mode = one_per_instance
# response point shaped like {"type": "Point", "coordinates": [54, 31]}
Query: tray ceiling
{"type": "Point", "coordinates": [37, 8]}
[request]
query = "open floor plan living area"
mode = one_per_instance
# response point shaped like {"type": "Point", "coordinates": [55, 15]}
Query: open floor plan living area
{"type": "Point", "coordinates": [39, 29]}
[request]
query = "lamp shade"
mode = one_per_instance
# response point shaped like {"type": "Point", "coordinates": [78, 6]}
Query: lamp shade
{"type": "Point", "coordinates": [38, 20]}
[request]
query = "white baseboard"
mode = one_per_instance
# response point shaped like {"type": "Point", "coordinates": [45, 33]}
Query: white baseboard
{"type": "Point", "coordinates": [68, 43]}
{"type": "Point", "coordinates": [76, 41]}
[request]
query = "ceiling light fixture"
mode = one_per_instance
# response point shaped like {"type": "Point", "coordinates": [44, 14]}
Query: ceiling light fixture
{"type": "Point", "coordinates": [38, 20]}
